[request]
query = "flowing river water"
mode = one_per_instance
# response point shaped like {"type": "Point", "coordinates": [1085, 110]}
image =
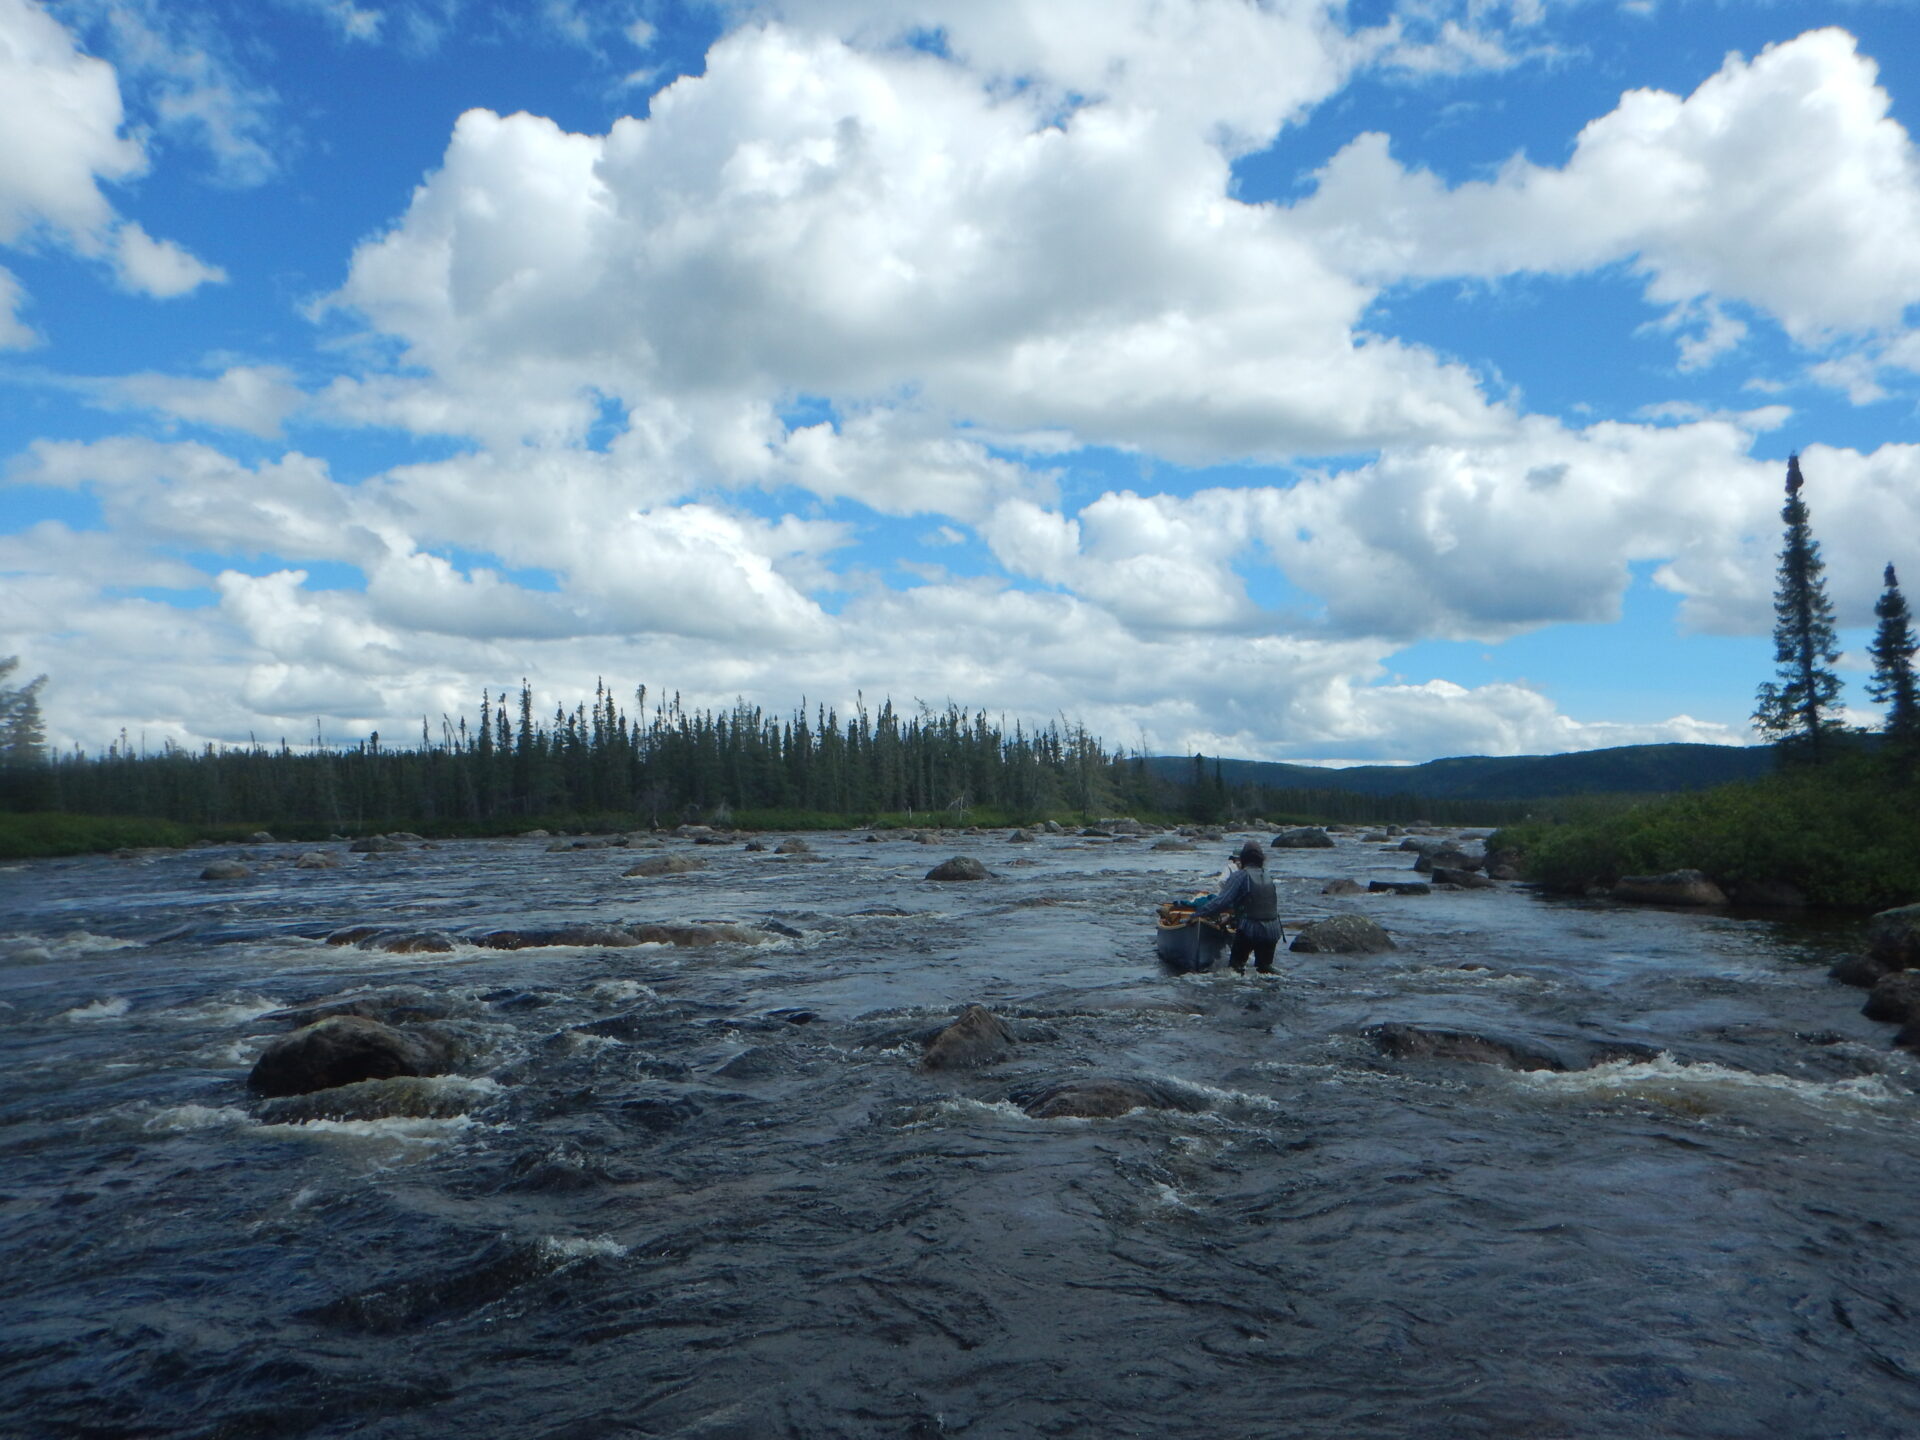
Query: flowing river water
{"type": "Point", "coordinates": [708, 1192]}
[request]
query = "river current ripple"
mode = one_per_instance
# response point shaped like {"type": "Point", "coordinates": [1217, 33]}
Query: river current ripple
{"type": "Point", "coordinates": [734, 1207]}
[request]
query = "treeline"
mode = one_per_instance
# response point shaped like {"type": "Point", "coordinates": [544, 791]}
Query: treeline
{"type": "Point", "coordinates": [509, 768]}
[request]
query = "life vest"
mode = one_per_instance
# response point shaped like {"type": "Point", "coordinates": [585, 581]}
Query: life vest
{"type": "Point", "coordinates": [1263, 901]}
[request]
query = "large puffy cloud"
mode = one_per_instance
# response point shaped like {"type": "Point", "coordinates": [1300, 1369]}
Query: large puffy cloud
{"type": "Point", "coordinates": [809, 217]}
{"type": "Point", "coordinates": [1781, 182]}
{"type": "Point", "coordinates": [61, 138]}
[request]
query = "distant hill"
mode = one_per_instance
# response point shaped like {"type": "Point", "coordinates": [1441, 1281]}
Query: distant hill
{"type": "Point", "coordinates": [1625, 769]}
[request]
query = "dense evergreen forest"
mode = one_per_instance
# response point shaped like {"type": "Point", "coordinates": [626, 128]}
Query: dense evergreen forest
{"type": "Point", "coordinates": [511, 768]}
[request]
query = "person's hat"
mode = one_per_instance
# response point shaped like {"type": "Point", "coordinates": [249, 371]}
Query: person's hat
{"type": "Point", "coordinates": [1252, 854]}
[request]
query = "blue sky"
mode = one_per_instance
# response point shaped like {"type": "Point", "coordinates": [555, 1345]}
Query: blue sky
{"type": "Point", "coordinates": [1287, 380]}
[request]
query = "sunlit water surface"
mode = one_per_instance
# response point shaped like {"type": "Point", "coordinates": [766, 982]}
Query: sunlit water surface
{"type": "Point", "coordinates": [741, 1210]}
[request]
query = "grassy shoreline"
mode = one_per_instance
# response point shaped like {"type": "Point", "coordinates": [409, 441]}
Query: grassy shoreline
{"type": "Point", "coordinates": [1845, 834]}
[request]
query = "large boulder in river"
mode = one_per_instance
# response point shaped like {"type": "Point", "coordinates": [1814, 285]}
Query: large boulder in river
{"type": "Point", "coordinates": [226, 870]}
{"type": "Point", "coordinates": [1893, 938]}
{"type": "Point", "coordinates": [1343, 935]}
{"type": "Point", "coordinates": [1105, 1099]}
{"type": "Point", "coordinates": [344, 1049]}
{"type": "Point", "coordinates": [1342, 886]}
{"type": "Point", "coordinates": [1895, 997]}
{"type": "Point", "coordinates": [1462, 879]}
{"type": "Point", "coordinates": [1676, 887]}
{"type": "Point", "coordinates": [1303, 837]}
{"type": "Point", "coordinates": [978, 1037]}
{"type": "Point", "coordinates": [1861, 970]}
{"type": "Point", "coordinates": [960, 867]}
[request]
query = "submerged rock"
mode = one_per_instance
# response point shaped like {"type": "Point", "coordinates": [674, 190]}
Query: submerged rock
{"type": "Point", "coordinates": [960, 867]}
{"type": "Point", "coordinates": [413, 1097]}
{"type": "Point", "coordinates": [317, 860]}
{"type": "Point", "coordinates": [226, 870]}
{"type": "Point", "coordinates": [395, 1005]}
{"type": "Point", "coordinates": [655, 866]}
{"type": "Point", "coordinates": [978, 1037]}
{"type": "Point", "coordinates": [1106, 1099]}
{"type": "Point", "coordinates": [1430, 1042]}
{"type": "Point", "coordinates": [1418, 1042]}
{"type": "Point", "coordinates": [1676, 887]}
{"type": "Point", "coordinates": [1399, 887]}
{"type": "Point", "coordinates": [1341, 887]}
{"type": "Point", "coordinates": [342, 1049]}
{"type": "Point", "coordinates": [1343, 935]}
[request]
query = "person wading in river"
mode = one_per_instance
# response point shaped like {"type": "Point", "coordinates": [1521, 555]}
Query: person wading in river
{"type": "Point", "coordinates": [1250, 895]}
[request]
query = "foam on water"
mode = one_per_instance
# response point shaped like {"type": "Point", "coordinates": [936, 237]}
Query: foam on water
{"type": "Point", "coordinates": [184, 1119]}
{"type": "Point", "coordinates": [596, 1247]}
{"type": "Point", "coordinates": [1709, 1087]}
{"type": "Point", "coordinates": [405, 1130]}
{"type": "Point", "coordinates": [228, 1009]}
{"type": "Point", "coordinates": [112, 1008]}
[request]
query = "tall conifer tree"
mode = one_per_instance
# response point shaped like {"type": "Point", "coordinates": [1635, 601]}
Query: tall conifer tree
{"type": "Point", "coordinates": [1892, 651]}
{"type": "Point", "coordinates": [1796, 710]}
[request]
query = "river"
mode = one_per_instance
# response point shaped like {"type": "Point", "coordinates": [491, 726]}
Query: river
{"type": "Point", "coordinates": [707, 1192]}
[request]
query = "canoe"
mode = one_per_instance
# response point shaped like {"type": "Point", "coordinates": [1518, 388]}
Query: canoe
{"type": "Point", "coordinates": [1186, 943]}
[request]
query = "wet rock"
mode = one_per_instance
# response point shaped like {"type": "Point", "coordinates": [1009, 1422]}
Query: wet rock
{"type": "Point", "coordinates": [794, 846]}
{"type": "Point", "coordinates": [395, 1005]}
{"type": "Point", "coordinates": [1425, 844]}
{"type": "Point", "coordinates": [1861, 970]}
{"type": "Point", "coordinates": [1375, 837]}
{"type": "Point", "coordinates": [343, 1049]}
{"type": "Point", "coordinates": [260, 837]}
{"type": "Point", "coordinates": [1676, 887]}
{"type": "Point", "coordinates": [1895, 997]}
{"type": "Point", "coordinates": [977, 1038]}
{"type": "Point", "coordinates": [1171, 844]}
{"type": "Point", "coordinates": [534, 834]}
{"type": "Point", "coordinates": [960, 867]}
{"type": "Point", "coordinates": [1419, 1042]}
{"type": "Point", "coordinates": [409, 942]}
{"type": "Point", "coordinates": [1341, 887]}
{"type": "Point", "coordinates": [1461, 879]}
{"type": "Point", "coordinates": [1399, 887]}
{"type": "Point", "coordinates": [655, 866]}
{"type": "Point", "coordinates": [354, 934]}
{"type": "Point", "coordinates": [406, 836]}
{"type": "Point", "coordinates": [1893, 938]}
{"type": "Point", "coordinates": [1123, 825]}
{"type": "Point", "coordinates": [317, 860]}
{"type": "Point", "coordinates": [1303, 837]}
{"type": "Point", "coordinates": [695, 831]}
{"type": "Point", "coordinates": [1097, 832]}
{"type": "Point", "coordinates": [1503, 872]}
{"type": "Point", "coordinates": [782, 929]}
{"type": "Point", "coordinates": [1343, 935]}
{"type": "Point", "coordinates": [410, 1097]}
{"type": "Point", "coordinates": [1019, 837]}
{"type": "Point", "coordinates": [226, 870]}
{"type": "Point", "coordinates": [377, 845]}
{"type": "Point", "coordinates": [1106, 1099]}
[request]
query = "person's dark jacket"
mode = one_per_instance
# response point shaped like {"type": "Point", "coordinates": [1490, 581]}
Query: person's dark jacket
{"type": "Point", "coordinates": [1249, 894]}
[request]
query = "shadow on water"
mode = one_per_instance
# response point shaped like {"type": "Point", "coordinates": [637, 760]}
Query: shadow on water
{"type": "Point", "coordinates": [1662, 1186]}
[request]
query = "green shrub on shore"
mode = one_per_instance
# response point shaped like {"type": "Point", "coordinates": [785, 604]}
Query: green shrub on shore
{"type": "Point", "coordinates": [43, 833]}
{"type": "Point", "coordinates": [1845, 833]}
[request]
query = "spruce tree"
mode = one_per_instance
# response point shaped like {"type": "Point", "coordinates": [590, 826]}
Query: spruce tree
{"type": "Point", "coordinates": [1796, 710]}
{"type": "Point", "coordinates": [1892, 651]}
{"type": "Point", "coordinates": [23, 735]}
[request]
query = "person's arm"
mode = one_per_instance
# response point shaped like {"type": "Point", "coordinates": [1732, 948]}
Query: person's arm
{"type": "Point", "coordinates": [1230, 895]}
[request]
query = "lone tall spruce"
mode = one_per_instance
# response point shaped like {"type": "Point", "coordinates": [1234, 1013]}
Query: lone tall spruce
{"type": "Point", "coordinates": [1796, 709]}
